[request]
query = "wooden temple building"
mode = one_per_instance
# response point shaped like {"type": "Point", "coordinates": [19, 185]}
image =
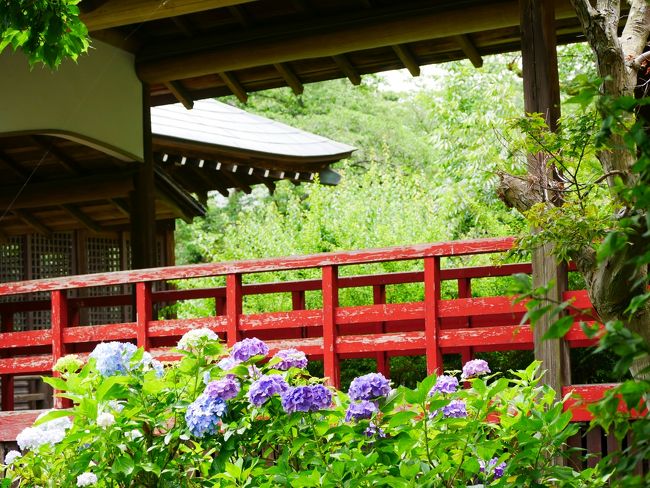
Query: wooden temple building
{"type": "Point", "coordinates": [94, 154]}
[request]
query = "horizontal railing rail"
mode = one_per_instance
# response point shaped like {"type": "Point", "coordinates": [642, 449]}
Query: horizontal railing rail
{"type": "Point", "coordinates": [458, 323]}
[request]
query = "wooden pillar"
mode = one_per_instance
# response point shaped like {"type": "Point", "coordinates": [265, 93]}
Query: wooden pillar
{"type": "Point", "coordinates": [542, 95]}
{"type": "Point", "coordinates": [383, 361]}
{"type": "Point", "coordinates": [431, 320]}
{"type": "Point", "coordinates": [144, 313]}
{"type": "Point", "coordinates": [330, 285]}
{"type": "Point", "coordinates": [60, 321]}
{"type": "Point", "coordinates": [143, 210]}
{"type": "Point", "coordinates": [7, 385]}
{"type": "Point", "coordinates": [234, 307]}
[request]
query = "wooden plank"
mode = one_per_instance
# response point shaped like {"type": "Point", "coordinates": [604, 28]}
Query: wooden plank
{"type": "Point", "coordinates": [419, 251]}
{"type": "Point", "coordinates": [27, 338]}
{"type": "Point", "coordinates": [178, 327]}
{"type": "Point", "coordinates": [18, 169]}
{"type": "Point", "coordinates": [33, 222]}
{"type": "Point", "coordinates": [99, 333]}
{"type": "Point", "coordinates": [234, 305]}
{"type": "Point", "coordinates": [115, 13]}
{"type": "Point", "coordinates": [69, 164]}
{"type": "Point", "coordinates": [330, 304]}
{"type": "Point", "coordinates": [13, 423]}
{"type": "Point", "coordinates": [352, 31]}
{"type": "Point", "coordinates": [407, 58]}
{"type": "Point", "coordinates": [431, 321]}
{"type": "Point", "coordinates": [144, 313]}
{"type": "Point", "coordinates": [86, 221]}
{"type": "Point", "coordinates": [295, 319]}
{"type": "Point", "coordinates": [39, 364]}
{"type": "Point", "coordinates": [290, 77]}
{"type": "Point", "coordinates": [400, 342]}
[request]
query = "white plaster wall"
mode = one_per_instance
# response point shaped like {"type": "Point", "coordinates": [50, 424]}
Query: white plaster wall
{"type": "Point", "coordinates": [96, 101]}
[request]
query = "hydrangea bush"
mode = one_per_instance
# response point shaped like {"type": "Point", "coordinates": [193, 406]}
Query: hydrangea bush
{"type": "Point", "coordinates": [242, 418]}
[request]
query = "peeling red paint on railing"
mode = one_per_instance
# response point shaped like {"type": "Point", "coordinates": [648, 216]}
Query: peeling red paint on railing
{"type": "Point", "coordinates": [434, 326]}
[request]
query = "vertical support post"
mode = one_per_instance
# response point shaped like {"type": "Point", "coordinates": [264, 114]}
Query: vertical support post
{"type": "Point", "coordinates": [431, 320]}
{"type": "Point", "coordinates": [7, 325]}
{"type": "Point", "coordinates": [144, 313]}
{"type": "Point", "coordinates": [465, 291]}
{"type": "Point", "coordinates": [234, 302]}
{"type": "Point", "coordinates": [298, 303]}
{"type": "Point", "coordinates": [330, 286]}
{"type": "Point", "coordinates": [143, 210]}
{"type": "Point", "coordinates": [60, 321]}
{"type": "Point", "coordinates": [379, 297]}
{"type": "Point", "coordinates": [220, 306]}
{"type": "Point", "coordinates": [542, 95]}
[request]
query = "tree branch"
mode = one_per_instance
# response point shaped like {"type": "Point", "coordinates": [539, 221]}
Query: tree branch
{"type": "Point", "coordinates": [519, 192]}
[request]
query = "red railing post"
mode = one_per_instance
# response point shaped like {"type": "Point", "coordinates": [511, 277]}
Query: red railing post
{"type": "Point", "coordinates": [465, 291]}
{"type": "Point", "coordinates": [379, 297]}
{"type": "Point", "coordinates": [219, 306]}
{"type": "Point", "coordinates": [234, 306]}
{"type": "Point", "coordinates": [431, 320]}
{"type": "Point", "coordinates": [60, 320]}
{"type": "Point", "coordinates": [330, 286]}
{"type": "Point", "coordinates": [298, 303]}
{"type": "Point", "coordinates": [7, 380]}
{"type": "Point", "coordinates": [144, 313]}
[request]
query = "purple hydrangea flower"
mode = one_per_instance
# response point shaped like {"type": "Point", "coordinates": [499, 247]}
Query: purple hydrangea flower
{"type": "Point", "coordinates": [444, 384]}
{"type": "Point", "coordinates": [227, 363]}
{"type": "Point", "coordinates": [492, 466]}
{"type": "Point", "coordinates": [373, 430]}
{"type": "Point", "coordinates": [360, 410]}
{"type": "Point", "coordinates": [369, 387]}
{"type": "Point", "coordinates": [113, 358]}
{"type": "Point", "coordinates": [265, 387]}
{"type": "Point", "coordinates": [475, 367]}
{"type": "Point", "coordinates": [204, 415]}
{"type": "Point", "coordinates": [306, 399]}
{"type": "Point", "coordinates": [225, 388]}
{"type": "Point", "coordinates": [248, 348]}
{"type": "Point", "coordinates": [291, 358]}
{"type": "Point", "coordinates": [455, 409]}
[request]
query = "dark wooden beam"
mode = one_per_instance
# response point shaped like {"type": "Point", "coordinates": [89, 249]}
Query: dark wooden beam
{"type": "Point", "coordinates": [234, 181]}
{"type": "Point", "coordinates": [4, 238]}
{"type": "Point", "coordinates": [86, 221]}
{"type": "Point", "coordinates": [115, 13]}
{"type": "Point", "coordinates": [122, 205]}
{"type": "Point", "coordinates": [181, 93]}
{"type": "Point", "coordinates": [326, 37]}
{"type": "Point", "coordinates": [14, 165]}
{"type": "Point", "coordinates": [407, 58]}
{"type": "Point", "coordinates": [87, 6]}
{"type": "Point", "coordinates": [70, 165]}
{"type": "Point", "coordinates": [68, 190]}
{"type": "Point", "coordinates": [469, 49]}
{"type": "Point", "coordinates": [240, 14]}
{"type": "Point", "coordinates": [234, 86]}
{"type": "Point", "coordinates": [347, 69]}
{"type": "Point", "coordinates": [290, 77]}
{"type": "Point", "coordinates": [542, 95]}
{"type": "Point", "coordinates": [33, 222]}
{"type": "Point", "coordinates": [185, 26]}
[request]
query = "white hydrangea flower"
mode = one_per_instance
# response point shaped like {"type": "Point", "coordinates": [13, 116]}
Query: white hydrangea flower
{"type": "Point", "coordinates": [86, 479]}
{"type": "Point", "coordinates": [115, 405]}
{"type": "Point", "coordinates": [11, 457]}
{"type": "Point", "coordinates": [133, 434]}
{"type": "Point", "coordinates": [105, 420]}
{"type": "Point", "coordinates": [51, 432]}
{"type": "Point", "coordinates": [192, 338]}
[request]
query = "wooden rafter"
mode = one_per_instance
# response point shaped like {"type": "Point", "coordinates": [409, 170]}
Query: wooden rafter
{"type": "Point", "coordinates": [290, 77]}
{"type": "Point", "coordinates": [122, 205]}
{"type": "Point", "coordinates": [68, 190]}
{"type": "Point", "coordinates": [240, 14]}
{"type": "Point", "coordinates": [14, 165]}
{"type": "Point", "coordinates": [319, 37]}
{"type": "Point", "coordinates": [114, 13]}
{"type": "Point", "coordinates": [185, 26]}
{"type": "Point", "coordinates": [235, 182]}
{"type": "Point", "coordinates": [347, 69]}
{"type": "Point", "coordinates": [4, 238]}
{"type": "Point", "coordinates": [86, 221]}
{"type": "Point", "coordinates": [33, 222]}
{"type": "Point", "coordinates": [234, 86]}
{"type": "Point", "coordinates": [407, 58]}
{"type": "Point", "coordinates": [70, 165]}
{"type": "Point", "coordinates": [181, 93]}
{"type": "Point", "coordinates": [469, 49]}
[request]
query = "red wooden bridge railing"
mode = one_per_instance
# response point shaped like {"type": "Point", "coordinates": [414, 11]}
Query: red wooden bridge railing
{"type": "Point", "coordinates": [432, 326]}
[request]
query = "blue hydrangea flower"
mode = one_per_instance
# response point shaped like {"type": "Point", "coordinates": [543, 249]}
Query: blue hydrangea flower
{"type": "Point", "coordinates": [227, 363]}
{"type": "Point", "coordinates": [265, 387]}
{"type": "Point", "coordinates": [475, 367]}
{"type": "Point", "coordinates": [444, 384]}
{"type": "Point", "coordinates": [246, 349]}
{"type": "Point", "coordinates": [204, 415]}
{"type": "Point", "coordinates": [360, 410]}
{"type": "Point", "coordinates": [455, 409]}
{"type": "Point", "coordinates": [306, 399]}
{"type": "Point", "coordinates": [113, 358]}
{"type": "Point", "coordinates": [369, 387]}
{"type": "Point", "coordinates": [290, 358]}
{"type": "Point", "coordinates": [373, 431]}
{"type": "Point", "coordinates": [225, 388]}
{"type": "Point", "coordinates": [492, 466]}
